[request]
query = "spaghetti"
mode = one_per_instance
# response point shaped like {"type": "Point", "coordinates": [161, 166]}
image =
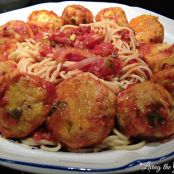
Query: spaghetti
{"type": "Point", "coordinates": [116, 141]}
{"type": "Point", "coordinates": [30, 60]}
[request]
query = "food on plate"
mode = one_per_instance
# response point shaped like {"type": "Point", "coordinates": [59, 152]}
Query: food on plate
{"type": "Point", "coordinates": [8, 70]}
{"type": "Point", "coordinates": [116, 14]}
{"type": "Point", "coordinates": [146, 110]}
{"type": "Point", "coordinates": [85, 112]}
{"type": "Point", "coordinates": [158, 56]}
{"type": "Point", "coordinates": [165, 78]}
{"type": "Point", "coordinates": [24, 104]}
{"type": "Point", "coordinates": [148, 29]}
{"type": "Point", "coordinates": [76, 14]}
{"type": "Point", "coordinates": [7, 46]}
{"type": "Point", "coordinates": [111, 56]}
{"type": "Point", "coordinates": [165, 63]}
{"type": "Point", "coordinates": [16, 29]}
{"type": "Point", "coordinates": [44, 21]}
{"type": "Point", "coordinates": [75, 83]}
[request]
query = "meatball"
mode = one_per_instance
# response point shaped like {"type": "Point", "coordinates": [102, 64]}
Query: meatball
{"type": "Point", "coordinates": [116, 14]}
{"type": "Point", "coordinates": [7, 46]}
{"type": "Point", "coordinates": [17, 30]}
{"type": "Point", "coordinates": [24, 105]}
{"type": "Point", "coordinates": [146, 110]}
{"type": "Point", "coordinates": [8, 70]}
{"type": "Point", "coordinates": [76, 14]}
{"type": "Point", "coordinates": [44, 21]}
{"type": "Point", "coordinates": [158, 56]}
{"type": "Point", "coordinates": [165, 78]}
{"type": "Point", "coordinates": [85, 112]}
{"type": "Point", "coordinates": [147, 29]}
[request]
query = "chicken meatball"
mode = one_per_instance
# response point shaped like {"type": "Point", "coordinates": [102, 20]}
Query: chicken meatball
{"type": "Point", "coordinates": [44, 21]}
{"type": "Point", "coordinates": [147, 29]}
{"type": "Point", "coordinates": [24, 104]}
{"type": "Point", "coordinates": [146, 110]}
{"type": "Point", "coordinates": [84, 114]}
{"type": "Point", "coordinates": [17, 30]}
{"type": "Point", "coordinates": [165, 78]}
{"type": "Point", "coordinates": [7, 46]}
{"type": "Point", "coordinates": [116, 14]}
{"type": "Point", "coordinates": [8, 70]}
{"type": "Point", "coordinates": [158, 56]}
{"type": "Point", "coordinates": [76, 14]}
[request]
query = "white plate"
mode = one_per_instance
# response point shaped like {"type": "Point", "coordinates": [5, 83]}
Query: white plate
{"type": "Point", "coordinates": [38, 161]}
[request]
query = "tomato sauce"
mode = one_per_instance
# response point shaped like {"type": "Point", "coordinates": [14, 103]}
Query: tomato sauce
{"type": "Point", "coordinates": [125, 36]}
{"type": "Point", "coordinates": [45, 50]}
{"type": "Point", "coordinates": [74, 57]}
{"type": "Point", "coordinates": [43, 134]}
{"type": "Point", "coordinates": [82, 37]}
{"type": "Point", "coordinates": [104, 67]}
{"type": "Point", "coordinates": [104, 49]}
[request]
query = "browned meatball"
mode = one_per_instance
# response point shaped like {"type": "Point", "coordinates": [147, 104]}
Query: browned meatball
{"type": "Point", "coordinates": [76, 14]}
{"type": "Point", "coordinates": [25, 102]}
{"type": "Point", "coordinates": [147, 29]}
{"type": "Point", "coordinates": [85, 112]}
{"type": "Point", "coordinates": [116, 14]}
{"type": "Point", "coordinates": [17, 30]}
{"type": "Point", "coordinates": [165, 78]}
{"type": "Point", "coordinates": [146, 110]}
{"type": "Point", "coordinates": [43, 20]}
{"type": "Point", "coordinates": [8, 70]}
{"type": "Point", "coordinates": [7, 46]}
{"type": "Point", "coordinates": [158, 56]}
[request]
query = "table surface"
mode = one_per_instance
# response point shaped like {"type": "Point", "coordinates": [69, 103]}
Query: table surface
{"type": "Point", "coordinates": [161, 7]}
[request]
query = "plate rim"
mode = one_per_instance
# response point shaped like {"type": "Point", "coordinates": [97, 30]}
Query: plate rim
{"type": "Point", "coordinates": [135, 163]}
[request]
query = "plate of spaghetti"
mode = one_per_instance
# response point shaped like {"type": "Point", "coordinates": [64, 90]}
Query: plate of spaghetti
{"type": "Point", "coordinates": [84, 84]}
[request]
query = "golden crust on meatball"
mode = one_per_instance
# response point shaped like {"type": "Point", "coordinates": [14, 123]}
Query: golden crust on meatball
{"type": "Point", "coordinates": [165, 78]}
{"type": "Point", "coordinates": [24, 104]}
{"type": "Point", "coordinates": [85, 112]}
{"type": "Point", "coordinates": [7, 46]}
{"type": "Point", "coordinates": [76, 14]}
{"type": "Point", "coordinates": [147, 29]}
{"type": "Point", "coordinates": [116, 14]}
{"type": "Point", "coordinates": [146, 110]}
{"type": "Point", "coordinates": [43, 20]}
{"type": "Point", "coordinates": [158, 56]}
{"type": "Point", "coordinates": [16, 29]}
{"type": "Point", "coordinates": [8, 70]}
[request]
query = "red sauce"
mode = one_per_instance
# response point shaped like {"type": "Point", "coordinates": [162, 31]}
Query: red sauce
{"type": "Point", "coordinates": [61, 38]}
{"type": "Point", "coordinates": [21, 29]}
{"type": "Point", "coordinates": [84, 37]}
{"type": "Point", "coordinates": [170, 50]}
{"type": "Point", "coordinates": [131, 61]}
{"type": "Point", "coordinates": [125, 36]}
{"type": "Point", "coordinates": [104, 49]}
{"type": "Point", "coordinates": [9, 120]}
{"type": "Point", "coordinates": [104, 67]}
{"type": "Point", "coordinates": [50, 92]}
{"type": "Point", "coordinates": [45, 50]}
{"type": "Point", "coordinates": [43, 135]}
{"type": "Point", "coordinates": [74, 57]}
{"type": "Point", "coordinates": [3, 102]}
